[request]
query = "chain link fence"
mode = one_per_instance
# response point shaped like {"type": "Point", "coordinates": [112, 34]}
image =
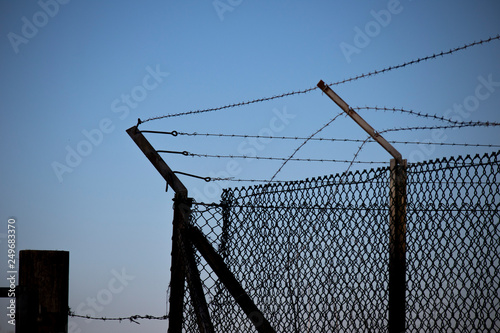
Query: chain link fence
{"type": "Point", "coordinates": [314, 254]}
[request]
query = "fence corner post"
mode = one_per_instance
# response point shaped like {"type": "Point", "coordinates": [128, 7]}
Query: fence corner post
{"type": "Point", "coordinates": [397, 247]}
{"type": "Point", "coordinates": [178, 267]}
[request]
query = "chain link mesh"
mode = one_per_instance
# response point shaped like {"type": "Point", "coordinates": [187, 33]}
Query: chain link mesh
{"type": "Point", "coordinates": [453, 236]}
{"type": "Point", "coordinates": [314, 254]}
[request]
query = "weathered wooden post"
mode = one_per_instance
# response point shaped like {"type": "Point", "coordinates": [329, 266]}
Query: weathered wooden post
{"type": "Point", "coordinates": [42, 294]}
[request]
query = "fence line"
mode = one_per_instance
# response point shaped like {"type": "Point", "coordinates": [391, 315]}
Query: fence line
{"type": "Point", "coordinates": [132, 319]}
{"type": "Point", "coordinates": [314, 254]}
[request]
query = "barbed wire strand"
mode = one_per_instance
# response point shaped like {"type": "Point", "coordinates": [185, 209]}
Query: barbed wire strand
{"type": "Point", "coordinates": [290, 158]}
{"type": "Point", "coordinates": [270, 158]}
{"type": "Point", "coordinates": [357, 154]}
{"type": "Point", "coordinates": [133, 318]}
{"type": "Point", "coordinates": [246, 136]}
{"type": "Point", "coordinates": [415, 113]}
{"type": "Point", "coordinates": [304, 91]}
{"type": "Point", "coordinates": [232, 179]}
{"type": "Point", "coordinates": [457, 125]}
{"type": "Point", "coordinates": [304, 143]}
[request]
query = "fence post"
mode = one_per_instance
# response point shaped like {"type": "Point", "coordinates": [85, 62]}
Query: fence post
{"type": "Point", "coordinates": [177, 273]}
{"type": "Point", "coordinates": [42, 300]}
{"type": "Point", "coordinates": [226, 221]}
{"type": "Point", "coordinates": [397, 224]}
{"type": "Point", "coordinates": [397, 247]}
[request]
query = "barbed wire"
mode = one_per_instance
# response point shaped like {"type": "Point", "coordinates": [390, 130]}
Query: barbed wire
{"type": "Point", "coordinates": [271, 158]}
{"type": "Point", "coordinates": [264, 99]}
{"type": "Point", "coordinates": [132, 319]}
{"type": "Point", "coordinates": [249, 136]}
{"type": "Point", "coordinates": [304, 91]}
{"type": "Point", "coordinates": [232, 179]}
{"type": "Point", "coordinates": [304, 143]}
{"type": "Point", "coordinates": [456, 125]}
{"type": "Point", "coordinates": [415, 113]}
{"type": "Point", "coordinates": [412, 62]}
{"type": "Point", "coordinates": [357, 154]}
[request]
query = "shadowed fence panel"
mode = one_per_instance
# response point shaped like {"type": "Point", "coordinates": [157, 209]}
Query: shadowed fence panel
{"type": "Point", "coordinates": [314, 255]}
{"type": "Point", "coordinates": [454, 245]}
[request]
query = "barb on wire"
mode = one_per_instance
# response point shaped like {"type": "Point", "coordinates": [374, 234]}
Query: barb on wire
{"type": "Point", "coordinates": [354, 78]}
{"type": "Point", "coordinates": [296, 138]}
{"type": "Point", "coordinates": [303, 144]}
{"type": "Point", "coordinates": [132, 319]}
{"type": "Point", "coordinates": [270, 158]}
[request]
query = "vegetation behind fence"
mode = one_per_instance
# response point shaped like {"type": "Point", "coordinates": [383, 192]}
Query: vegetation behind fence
{"type": "Point", "coordinates": [314, 254]}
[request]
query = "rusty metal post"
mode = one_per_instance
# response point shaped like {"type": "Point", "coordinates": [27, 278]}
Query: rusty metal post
{"type": "Point", "coordinates": [397, 227]}
{"type": "Point", "coordinates": [360, 121]}
{"type": "Point", "coordinates": [397, 247]}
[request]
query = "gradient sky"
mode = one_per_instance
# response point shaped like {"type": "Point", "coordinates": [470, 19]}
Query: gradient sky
{"type": "Point", "coordinates": [76, 74]}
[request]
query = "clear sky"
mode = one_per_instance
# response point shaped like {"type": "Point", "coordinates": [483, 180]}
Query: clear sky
{"type": "Point", "coordinates": [76, 74]}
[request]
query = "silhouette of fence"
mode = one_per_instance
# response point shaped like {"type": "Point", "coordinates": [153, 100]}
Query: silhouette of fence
{"type": "Point", "coordinates": [314, 255]}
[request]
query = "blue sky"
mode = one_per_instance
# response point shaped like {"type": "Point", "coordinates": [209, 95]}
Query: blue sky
{"type": "Point", "coordinates": [76, 74]}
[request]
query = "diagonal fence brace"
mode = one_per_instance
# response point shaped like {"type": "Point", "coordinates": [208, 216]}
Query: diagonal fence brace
{"type": "Point", "coordinates": [227, 278]}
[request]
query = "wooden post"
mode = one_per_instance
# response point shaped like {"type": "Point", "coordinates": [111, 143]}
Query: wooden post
{"type": "Point", "coordinates": [42, 294]}
{"type": "Point", "coordinates": [177, 269]}
{"type": "Point", "coordinates": [397, 247]}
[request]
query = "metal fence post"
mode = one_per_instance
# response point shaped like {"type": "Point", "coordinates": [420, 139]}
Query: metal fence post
{"type": "Point", "coordinates": [397, 225]}
{"type": "Point", "coordinates": [226, 203]}
{"type": "Point", "coordinates": [397, 247]}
